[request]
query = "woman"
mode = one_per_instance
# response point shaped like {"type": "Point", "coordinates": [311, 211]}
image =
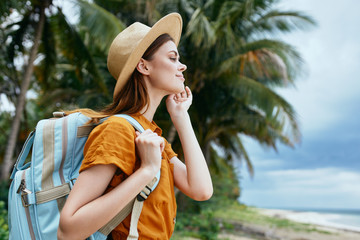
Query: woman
{"type": "Point", "coordinates": [118, 160]}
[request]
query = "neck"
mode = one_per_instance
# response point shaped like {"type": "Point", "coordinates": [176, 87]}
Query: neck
{"type": "Point", "coordinates": [149, 111]}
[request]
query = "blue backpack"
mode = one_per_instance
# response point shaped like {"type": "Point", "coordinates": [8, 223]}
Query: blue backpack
{"type": "Point", "coordinates": [40, 187]}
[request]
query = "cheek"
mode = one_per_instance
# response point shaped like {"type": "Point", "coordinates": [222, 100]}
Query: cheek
{"type": "Point", "coordinates": [164, 71]}
{"type": "Point", "coordinates": [163, 76]}
{"type": "Point", "coordinates": [168, 67]}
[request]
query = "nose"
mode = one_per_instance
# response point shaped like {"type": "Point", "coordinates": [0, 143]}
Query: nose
{"type": "Point", "coordinates": [182, 67]}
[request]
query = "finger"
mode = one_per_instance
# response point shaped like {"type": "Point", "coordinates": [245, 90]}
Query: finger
{"type": "Point", "coordinates": [155, 141]}
{"type": "Point", "coordinates": [188, 91]}
{"type": "Point", "coordinates": [152, 137]}
{"type": "Point", "coordinates": [170, 97]}
{"type": "Point", "coordinates": [162, 145]}
{"type": "Point", "coordinates": [147, 132]}
{"type": "Point", "coordinates": [183, 94]}
{"type": "Point", "coordinates": [137, 133]}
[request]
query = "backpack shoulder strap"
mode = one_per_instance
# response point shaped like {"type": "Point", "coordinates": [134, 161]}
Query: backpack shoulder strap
{"type": "Point", "coordinates": [132, 121]}
{"type": "Point", "coordinates": [19, 165]}
{"type": "Point", "coordinates": [134, 206]}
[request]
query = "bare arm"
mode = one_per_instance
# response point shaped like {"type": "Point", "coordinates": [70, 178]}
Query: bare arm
{"type": "Point", "coordinates": [87, 210]}
{"type": "Point", "coordinates": [193, 177]}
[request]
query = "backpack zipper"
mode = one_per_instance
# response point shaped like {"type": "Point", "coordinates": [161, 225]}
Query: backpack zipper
{"type": "Point", "coordinates": [24, 200]}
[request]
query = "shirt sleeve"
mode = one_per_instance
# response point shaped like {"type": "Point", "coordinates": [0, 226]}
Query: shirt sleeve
{"type": "Point", "coordinates": [169, 151]}
{"type": "Point", "coordinates": [112, 142]}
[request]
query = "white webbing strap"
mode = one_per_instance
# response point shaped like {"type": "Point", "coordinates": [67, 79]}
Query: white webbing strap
{"type": "Point", "coordinates": [135, 215]}
{"type": "Point", "coordinates": [134, 207]}
{"type": "Point", "coordinates": [138, 205]}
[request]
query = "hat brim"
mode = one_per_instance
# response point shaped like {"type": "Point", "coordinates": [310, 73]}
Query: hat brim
{"type": "Point", "coordinates": [170, 24]}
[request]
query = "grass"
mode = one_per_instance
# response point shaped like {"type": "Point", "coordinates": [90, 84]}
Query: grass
{"type": "Point", "coordinates": [244, 214]}
{"type": "Point", "coordinates": [228, 219]}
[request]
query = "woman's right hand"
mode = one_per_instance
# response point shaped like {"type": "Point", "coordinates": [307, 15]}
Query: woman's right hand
{"type": "Point", "coordinates": [149, 147]}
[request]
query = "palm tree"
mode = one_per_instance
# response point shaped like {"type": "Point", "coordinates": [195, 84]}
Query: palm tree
{"type": "Point", "coordinates": [44, 25]}
{"type": "Point", "coordinates": [232, 54]}
{"type": "Point", "coordinates": [39, 11]}
{"type": "Point", "coordinates": [234, 66]}
{"type": "Point", "coordinates": [72, 82]}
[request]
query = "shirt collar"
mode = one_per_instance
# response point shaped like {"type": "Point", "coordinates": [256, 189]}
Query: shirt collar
{"type": "Point", "coordinates": [146, 124]}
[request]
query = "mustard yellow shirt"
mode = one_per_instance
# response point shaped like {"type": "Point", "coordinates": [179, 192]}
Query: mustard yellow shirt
{"type": "Point", "coordinates": [113, 142]}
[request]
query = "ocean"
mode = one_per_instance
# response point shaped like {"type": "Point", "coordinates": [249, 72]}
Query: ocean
{"type": "Point", "coordinates": [340, 218]}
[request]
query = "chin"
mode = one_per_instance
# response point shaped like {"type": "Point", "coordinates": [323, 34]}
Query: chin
{"type": "Point", "coordinates": [174, 89]}
{"type": "Point", "coordinates": [179, 90]}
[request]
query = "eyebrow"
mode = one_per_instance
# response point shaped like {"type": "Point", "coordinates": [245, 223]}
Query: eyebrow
{"type": "Point", "coordinates": [176, 54]}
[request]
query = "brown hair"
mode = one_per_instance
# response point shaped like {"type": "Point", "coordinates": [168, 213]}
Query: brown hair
{"type": "Point", "coordinates": [133, 97]}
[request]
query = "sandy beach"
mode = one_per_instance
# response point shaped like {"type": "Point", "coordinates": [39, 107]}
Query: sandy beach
{"type": "Point", "coordinates": [241, 222]}
{"type": "Point", "coordinates": [320, 219]}
{"type": "Point", "coordinates": [324, 229]}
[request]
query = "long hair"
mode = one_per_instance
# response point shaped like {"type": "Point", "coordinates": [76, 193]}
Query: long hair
{"type": "Point", "coordinates": [133, 97]}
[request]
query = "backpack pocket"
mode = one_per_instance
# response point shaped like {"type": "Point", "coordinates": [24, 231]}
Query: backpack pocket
{"type": "Point", "coordinates": [20, 222]}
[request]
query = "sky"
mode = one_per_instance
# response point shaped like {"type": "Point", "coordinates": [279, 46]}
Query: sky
{"type": "Point", "coordinates": [323, 171]}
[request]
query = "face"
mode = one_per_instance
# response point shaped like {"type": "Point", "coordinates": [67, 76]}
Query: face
{"type": "Point", "coordinates": [165, 71]}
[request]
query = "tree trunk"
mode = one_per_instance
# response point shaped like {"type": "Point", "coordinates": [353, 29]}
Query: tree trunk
{"type": "Point", "coordinates": [9, 152]}
{"type": "Point", "coordinates": [206, 152]}
{"type": "Point", "coordinates": [171, 135]}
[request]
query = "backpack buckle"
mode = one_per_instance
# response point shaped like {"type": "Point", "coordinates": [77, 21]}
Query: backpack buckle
{"type": "Point", "coordinates": [24, 193]}
{"type": "Point", "coordinates": [58, 114]}
{"type": "Point", "coordinates": [24, 198]}
{"type": "Point", "coordinates": [144, 194]}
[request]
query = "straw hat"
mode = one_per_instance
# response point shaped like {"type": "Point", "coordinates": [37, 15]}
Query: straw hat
{"type": "Point", "coordinates": [130, 45]}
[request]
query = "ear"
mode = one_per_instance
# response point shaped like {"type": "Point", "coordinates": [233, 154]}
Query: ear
{"type": "Point", "coordinates": [142, 67]}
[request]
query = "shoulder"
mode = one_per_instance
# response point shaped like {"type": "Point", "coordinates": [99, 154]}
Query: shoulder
{"type": "Point", "coordinates": [114, 128]}
{"type": "Point", "coordinates": [116, 123]}
{"type": "Point", "coordinates": [111, 142]}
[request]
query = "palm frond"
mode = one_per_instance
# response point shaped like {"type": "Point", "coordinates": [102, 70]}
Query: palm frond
{"type": "Point", "coordinates": [200, 30]}
{"type": "Point", "coordinates": [276, 21]}
{"type": "Point", "coordinates": [18, 36]}
{"type": "Point", "coordinates": [261, 98]}
{"type": "Point", "coordinates": [271, 62]}
{"type": "Point", "coordinates": [73, 48]}
{"type": "Point", "coordinates": [103, 26]}
{"type": "Point", "coordinates": [234, 149]}
{"type": "Point", "coordinates": [47, 48]}
{"type": "Point", "coordinates": [9, 6]}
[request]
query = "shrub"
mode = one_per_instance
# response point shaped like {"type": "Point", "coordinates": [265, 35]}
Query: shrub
{"type": "Point", "coordinates": [4, 228]}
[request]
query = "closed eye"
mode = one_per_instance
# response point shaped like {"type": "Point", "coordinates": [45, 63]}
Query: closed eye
{"type": "Point", "coordinates": [174, 56]}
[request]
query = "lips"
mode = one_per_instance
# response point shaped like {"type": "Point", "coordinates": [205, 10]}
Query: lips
{"type": "Point", "coordinates": [180, 76]}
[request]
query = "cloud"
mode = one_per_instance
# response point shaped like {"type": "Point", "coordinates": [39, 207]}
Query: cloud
{"type": "Point", "coordinates": [331, 52]}
{"type": "Point", "coordinates": [5, 105]}
{"type": "Point", "coordinates": [312, 188]}
{"type": "Point", "coordinates": [324, 171]}
{"type": "Point", "coordinates": [315, 179]}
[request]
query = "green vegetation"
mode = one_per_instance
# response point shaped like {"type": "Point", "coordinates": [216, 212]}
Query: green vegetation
{"type": "Point", "coordinates": [231, 49]}
{"type": "Point", "coordinates": [202, 226]}
{"type": "Point", "coordinates": [244, 214]}
{"type": "Point", "coordinates": [4, 228]}
{"type": "Point", "coordinates": [229, 218]}
{"type": "Point", "coordinates": [197, 219]}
